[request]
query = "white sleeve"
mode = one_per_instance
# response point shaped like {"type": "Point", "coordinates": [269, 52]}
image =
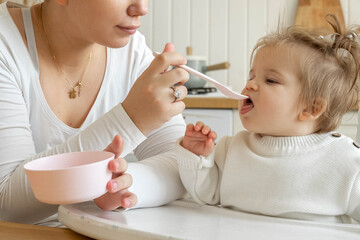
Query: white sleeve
{"type": "Point", "coordinates": [202, 176]}
{"type": "Point", "coordinates": [156, 180]}
{"type": "Point", "coordinates": [17, 202]}
{"type": "Point", "coordinates": [163, 138]}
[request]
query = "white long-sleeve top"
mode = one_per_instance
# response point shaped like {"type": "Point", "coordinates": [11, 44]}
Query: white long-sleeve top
{"type": "Point", "coordinates": [313, 177]}
{"type": "Point", "coordinates": [30, 130]}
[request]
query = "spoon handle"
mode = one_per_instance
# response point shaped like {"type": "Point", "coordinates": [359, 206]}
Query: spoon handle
{"type": "Point", "coordinates": [225, 90]}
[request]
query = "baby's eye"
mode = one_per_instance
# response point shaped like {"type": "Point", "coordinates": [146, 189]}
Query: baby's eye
{"type": "Point", "coordinates": [271, 81]}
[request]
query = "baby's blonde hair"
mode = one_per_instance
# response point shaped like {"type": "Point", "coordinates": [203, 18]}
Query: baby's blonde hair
{"type": "Point", "coordinates": [328, 68]}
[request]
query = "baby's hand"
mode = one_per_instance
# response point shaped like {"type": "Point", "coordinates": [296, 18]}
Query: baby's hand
{"type": "Point", "coordinates": [199, 139]}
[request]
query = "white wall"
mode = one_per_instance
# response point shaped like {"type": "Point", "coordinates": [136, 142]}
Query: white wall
{"type": "Point", "coordinates": [222, 30]}
{"type": "Point", "coordinates": [227, 30]}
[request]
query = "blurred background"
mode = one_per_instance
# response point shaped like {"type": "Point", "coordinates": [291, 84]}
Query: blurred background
{"type": "Point", "coordinates": [226, 30]}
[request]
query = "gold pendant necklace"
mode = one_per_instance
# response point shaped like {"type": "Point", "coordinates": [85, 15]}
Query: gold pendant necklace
{"type": "Point", "coordinates": [74, 89]}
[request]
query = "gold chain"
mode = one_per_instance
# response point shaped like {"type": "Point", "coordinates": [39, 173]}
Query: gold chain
{"type": "Point", "coordinates": [73, 88]}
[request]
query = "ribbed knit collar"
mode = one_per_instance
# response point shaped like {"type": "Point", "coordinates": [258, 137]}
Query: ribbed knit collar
{"type": "Point", "coordinates": [269, 145]}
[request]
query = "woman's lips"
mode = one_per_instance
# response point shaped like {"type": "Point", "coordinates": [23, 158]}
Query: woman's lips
{"type": "Point", "coordinates": [128, 30]}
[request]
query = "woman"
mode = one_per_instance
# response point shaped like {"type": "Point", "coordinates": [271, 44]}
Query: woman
{"type": "Point", "coordinates": [73, 74]}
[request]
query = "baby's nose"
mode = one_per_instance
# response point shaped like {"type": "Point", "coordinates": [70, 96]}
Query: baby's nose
{"type": "Point", "coordinates": [251, 85]}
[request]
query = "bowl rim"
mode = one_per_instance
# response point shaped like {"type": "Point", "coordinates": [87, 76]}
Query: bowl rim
{"type": "Point", "coordinates": [27, 168]}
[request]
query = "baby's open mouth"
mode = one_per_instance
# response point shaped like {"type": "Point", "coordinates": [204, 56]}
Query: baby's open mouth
{"type": "Point", "coordinates": [247, 106]}
{"type": "Point", "coordinates": [247, 102]}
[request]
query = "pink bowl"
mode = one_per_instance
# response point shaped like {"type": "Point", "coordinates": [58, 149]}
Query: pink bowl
{"type": "Point", "coordinates": [69, 177]}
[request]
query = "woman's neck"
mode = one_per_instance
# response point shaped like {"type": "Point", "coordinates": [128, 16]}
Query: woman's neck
{"type": "Point", "coordinates": [64, 40]}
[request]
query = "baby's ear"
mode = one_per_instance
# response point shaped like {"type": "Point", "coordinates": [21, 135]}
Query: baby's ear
{"type": "Point", "coordinates": [314, 111]}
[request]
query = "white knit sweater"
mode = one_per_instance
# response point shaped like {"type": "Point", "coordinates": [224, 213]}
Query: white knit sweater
{"type": "Point", "coordinates": [313, 177]}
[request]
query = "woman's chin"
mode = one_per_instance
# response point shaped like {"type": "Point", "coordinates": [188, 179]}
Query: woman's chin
{"type": "Point", "coordinates": [120, 43]}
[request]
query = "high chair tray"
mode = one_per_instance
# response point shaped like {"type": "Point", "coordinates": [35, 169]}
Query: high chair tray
{"type": "Point", "coordinates": [187, 220]}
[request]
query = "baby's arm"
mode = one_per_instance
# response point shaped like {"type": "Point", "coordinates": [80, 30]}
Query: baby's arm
{"type": "Point", "coordinates": [200, 175]}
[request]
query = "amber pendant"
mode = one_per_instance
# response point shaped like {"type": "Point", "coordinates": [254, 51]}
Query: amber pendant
{"type": "Point", "coordinates": [72, 93]}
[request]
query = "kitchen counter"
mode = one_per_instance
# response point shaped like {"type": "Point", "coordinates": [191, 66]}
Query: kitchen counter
{"type": "Point", "coordinates": [9, 230]}
{"type": "Point", "coordinates": [210, 100]}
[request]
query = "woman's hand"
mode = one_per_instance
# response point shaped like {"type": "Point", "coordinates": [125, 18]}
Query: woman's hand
{"type": "Point", "coordinates": [151, 101]}
{"type": "Point", "coordinates": [199, 139]}
{"type": "Point", "coordinates": [118, 194]}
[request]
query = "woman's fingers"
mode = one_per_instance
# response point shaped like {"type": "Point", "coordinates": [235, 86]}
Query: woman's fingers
{"type": "Point", "coordinates": [116, 146]}
{"type": "Point", "coordinates": [118, 194]}
{"type": "Point", "coordinates": [167, 59]}
{"type": "Point", "coordinates": [169, 47]}
{"type": "Point", "coordinates": [178, 93]}
{"type": "Point", "coordinates": [111, 201]}
{"type": "Point", "coordinates": [118, 165]}
{"type": "Point", "coordinates": [174, 76]}
{"type": "Point", "coordinates": [128, 199]}
{"type": "Point", "coordinates": [124, 181]}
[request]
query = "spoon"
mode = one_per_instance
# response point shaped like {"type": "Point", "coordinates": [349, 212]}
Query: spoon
{"type": "Point", "coordinates": [225, 90]}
